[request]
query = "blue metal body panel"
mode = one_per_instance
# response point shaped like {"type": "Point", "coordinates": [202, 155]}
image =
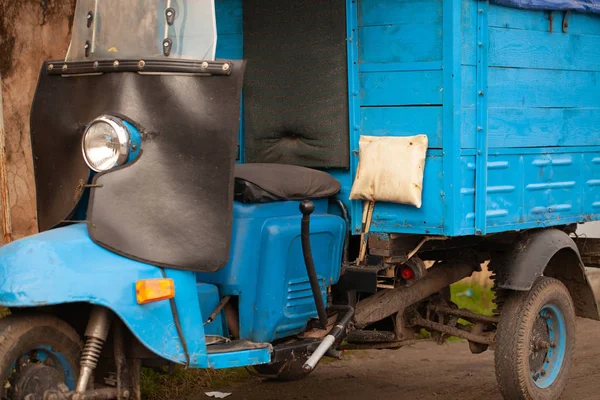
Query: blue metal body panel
{"type": "Point", "coordinates": [239, 358]}
{"type": "Point", "coordinates": [64, 266]}
{"type": "Point", "coordinates": [266, 267]}
{"type": "Point", "coordinates": [489, 85]}
{"type": "Point", "coordinates": [208, 297]}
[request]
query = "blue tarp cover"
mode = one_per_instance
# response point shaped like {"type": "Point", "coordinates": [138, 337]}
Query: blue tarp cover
{"type": "Point", "coordinates": [592, 6]}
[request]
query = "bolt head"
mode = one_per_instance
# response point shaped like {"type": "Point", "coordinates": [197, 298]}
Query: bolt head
{"type": "Point", "coordinates": [115, 63]}
{"type": "Point", "coordinates": [226, 67]}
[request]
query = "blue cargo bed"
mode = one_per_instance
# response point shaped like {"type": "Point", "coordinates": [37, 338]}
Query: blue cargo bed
{"type": "Point", "coordinates": [509, 99]}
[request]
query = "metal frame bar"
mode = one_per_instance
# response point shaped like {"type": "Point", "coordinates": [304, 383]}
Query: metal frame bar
{"type": "Point", "coordinates": [481, 156]}
{"type": "Point", "coordinates": [451, 113]}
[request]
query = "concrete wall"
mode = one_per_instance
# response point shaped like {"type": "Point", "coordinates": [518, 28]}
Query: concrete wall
{"type": "Point", "coordinates": [30, 31]}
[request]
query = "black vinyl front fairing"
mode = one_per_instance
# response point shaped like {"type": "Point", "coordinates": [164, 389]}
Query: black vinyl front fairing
{"type": "Point", "coordinates": [172, 207]}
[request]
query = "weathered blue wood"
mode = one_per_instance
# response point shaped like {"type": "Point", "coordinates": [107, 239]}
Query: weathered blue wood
{"type": "Point", "coordinates": [416, 67]}
{"type": "Point", "coordinates": [400, 43]}
{"type": "Point", "coordinates": [534, 49]}
{"type": "Point", "coordinates": [401, 88]}
{"type": "Point", "coordinates": [519, 87]}
{"type": "Point", "coordinates": [385, 12]}
{"type": "Point", "coordinates": [536, 127]}
{"type": "Point", "coordinates": [394, 67]}
{"type": "Point", "coordinates": [403, 121]}
{"type": "Point", "coordinates": [504, 17]}
{"type": "Point", "coordinates": [388, 217]}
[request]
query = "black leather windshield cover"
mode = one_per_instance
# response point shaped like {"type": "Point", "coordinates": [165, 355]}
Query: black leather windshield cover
{"type": "Point", "coordinates": [172, 207]}
{"type": "Point", "coordinates": [57, 124]}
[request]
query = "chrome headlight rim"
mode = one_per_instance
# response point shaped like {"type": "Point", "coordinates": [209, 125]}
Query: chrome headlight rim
{"type": "Point", "coordinates": [123, 137]}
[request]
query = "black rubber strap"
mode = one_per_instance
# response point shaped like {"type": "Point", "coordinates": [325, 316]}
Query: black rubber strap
{"type": "Point", "coordinates": [178, 325]}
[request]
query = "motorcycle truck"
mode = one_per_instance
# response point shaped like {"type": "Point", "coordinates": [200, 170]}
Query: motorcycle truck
{"type": "Point", "coordinates": [228, 183]}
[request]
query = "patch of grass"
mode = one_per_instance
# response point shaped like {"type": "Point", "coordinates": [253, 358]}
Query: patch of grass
{"type": "Point", "coordinates": [474, 297]}
{"type": "Point", "coordinates": [184, 383]}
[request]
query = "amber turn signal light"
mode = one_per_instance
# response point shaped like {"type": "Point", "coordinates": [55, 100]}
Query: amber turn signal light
{"type": "Point", "coordinates": [151, 290]}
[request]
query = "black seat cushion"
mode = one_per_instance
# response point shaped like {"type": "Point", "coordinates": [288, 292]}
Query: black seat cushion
{"type": "Point", "coordinates": [265, 183]}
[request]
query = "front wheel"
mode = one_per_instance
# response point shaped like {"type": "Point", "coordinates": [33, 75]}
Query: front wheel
{"type": "Point", "coordinates": [535, 341]}
{"type": "Point", "coordinates": [37, 353]}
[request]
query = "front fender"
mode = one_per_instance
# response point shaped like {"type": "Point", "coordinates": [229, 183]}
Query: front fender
{"type": "Point", "coordinates": [549, 252]}
{"type": "Point", "coordinates": [64, 266]}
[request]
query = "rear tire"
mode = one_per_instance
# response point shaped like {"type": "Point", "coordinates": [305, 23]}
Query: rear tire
{"type": "Point", "coordinates": [36, 352]}
{"type": "Point", "coordinates": [535, 341]}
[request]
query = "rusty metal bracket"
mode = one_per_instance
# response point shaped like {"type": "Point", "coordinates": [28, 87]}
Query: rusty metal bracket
{"type": "Point", "coordinates": [565, 23]}
{"type": "Point", "coordinates": [550, 17]}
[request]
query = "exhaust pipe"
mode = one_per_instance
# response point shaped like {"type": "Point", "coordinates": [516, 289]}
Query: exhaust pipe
{"type": "Point", "coordinates": [388, 302]}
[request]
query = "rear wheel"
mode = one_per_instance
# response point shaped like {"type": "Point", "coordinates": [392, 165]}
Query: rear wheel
{"type": "Point", "coordinates": [535, 341]}
{"type": "Point", "coordinates": [37, 353]}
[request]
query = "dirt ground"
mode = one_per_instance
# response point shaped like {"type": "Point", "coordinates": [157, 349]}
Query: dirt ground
{"type": "Point", "coordinates": [422, 371]}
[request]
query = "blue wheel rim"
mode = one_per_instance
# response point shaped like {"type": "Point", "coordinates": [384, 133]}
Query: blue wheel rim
{"type": "Point", "coordinates": [47, 355]}
{"type": "Point", "coordinates": [554, 347]}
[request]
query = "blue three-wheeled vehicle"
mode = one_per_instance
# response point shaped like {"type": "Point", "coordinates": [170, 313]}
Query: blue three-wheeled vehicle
{"type": "Point", "coordinates": [226, 183]}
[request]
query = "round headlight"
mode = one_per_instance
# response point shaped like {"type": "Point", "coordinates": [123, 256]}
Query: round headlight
{"type": "Point", "coordinates": [105, 143]}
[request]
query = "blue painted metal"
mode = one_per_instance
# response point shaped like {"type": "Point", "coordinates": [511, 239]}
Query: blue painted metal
{"type": "Point", "coordinates": [208, 296]}
{"type": "Point", "coordinates": [240, 358]}
{"type": "Point", "coordinates": [266, 267]}
{"type": "Point", "coordinates": [65, 266]}
{"type": "Point", "coordinates": [44, 354]}
{"type": "Point", "coordinates": [136, 142]}
{"type": "Point", "coordinates": [557, 329]}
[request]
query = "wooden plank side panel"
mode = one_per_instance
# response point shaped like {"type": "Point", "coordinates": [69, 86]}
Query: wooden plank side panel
{"type": "Point", "coordinates": [400, 12]}
{"type": "Point", "coordinates": [401, 88]}
{"type": "Point", "coordinates": [535, 127]}
{"type": "Point", "coordinates": [516, 87]}
{"type": "Point", "coordinates": [400, 43]}
{"type": "Point", "coordinates": [389, 217]}
{"type": "Point", "coordinates": [537, 20]}
{"type": "Point", "coordinates": [403, 121]}
{"type": "Point", "coordinates": [543, 50]}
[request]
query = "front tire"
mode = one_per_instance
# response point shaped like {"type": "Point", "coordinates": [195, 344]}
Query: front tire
{"type": "Point", "coordinates": [535, 341]}
{"type": "Point", "coordinates": [36, 354]}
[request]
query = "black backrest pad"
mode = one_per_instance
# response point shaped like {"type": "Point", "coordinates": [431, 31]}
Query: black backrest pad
{"type": "Point", "coordinates": [296, 85]}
